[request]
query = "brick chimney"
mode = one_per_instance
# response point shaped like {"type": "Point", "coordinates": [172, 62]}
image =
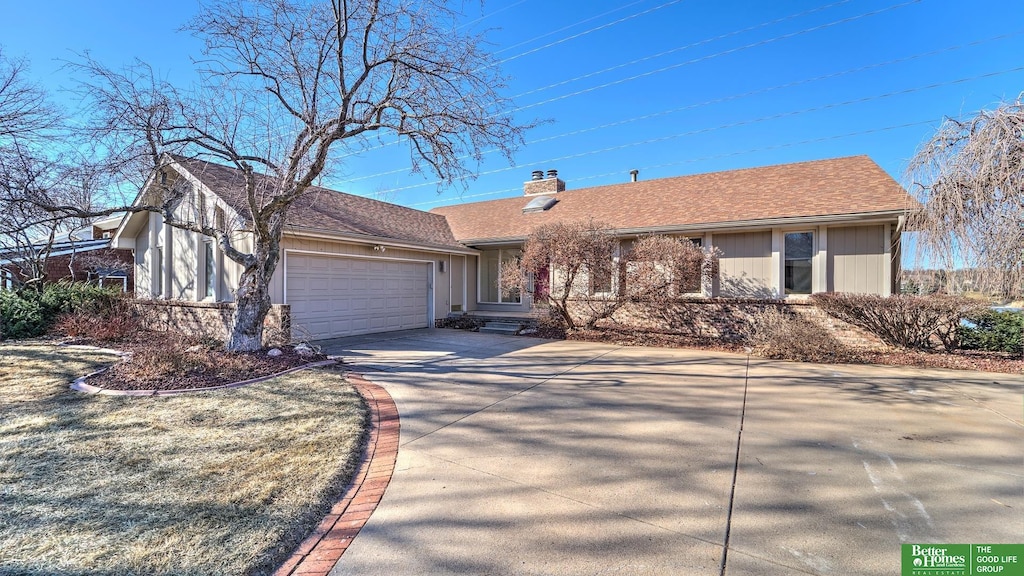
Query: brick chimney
{"type": "Point", "coordinates": [538, 184]}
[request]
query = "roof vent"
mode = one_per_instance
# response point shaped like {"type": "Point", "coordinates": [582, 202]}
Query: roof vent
{"type": "Point", "coordinates": [633, 175]}
{"type": "Point", "coordinates": [539, 204]}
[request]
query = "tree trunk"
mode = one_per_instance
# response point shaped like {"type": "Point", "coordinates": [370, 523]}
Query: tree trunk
{"type": "Point", "coordinates": [251, 309]}
{"type": "Point", "coordinates": [252, 301]}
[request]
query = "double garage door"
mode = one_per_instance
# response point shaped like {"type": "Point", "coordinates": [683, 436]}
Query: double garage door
{"type": "Point", "coordinates": [332, 296]}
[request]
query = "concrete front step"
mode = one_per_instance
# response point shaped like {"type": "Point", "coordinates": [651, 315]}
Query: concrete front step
{"type": "Point", "coordinates": [501, 328]}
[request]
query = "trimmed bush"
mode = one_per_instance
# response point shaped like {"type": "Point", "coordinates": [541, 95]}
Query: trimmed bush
{"type": "Point", "coordinates": [21, 316]}
{"type": "Point", "coordinates": [31, 313]}
{"type": "Point", "coordinates": [780, 334]}
{"type": "Point", "coordinates": [902, 320]}
{"type": "Point", "coordinates": [994, 331]}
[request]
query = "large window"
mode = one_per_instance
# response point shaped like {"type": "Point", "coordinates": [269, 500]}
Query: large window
{"type": "Point", "coordinates": [799, 254]}
{"type": "Point", "coordinates": [492, 262]}
{"type": "Point", "coordinates": [209, 267]}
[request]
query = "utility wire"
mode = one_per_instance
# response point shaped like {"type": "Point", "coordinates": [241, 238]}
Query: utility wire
{"type": "Point", "coordinates": [564, 28]}
{"type": "Point", "coordinates": [678, 65]}
{"type": "Point", "coordinates": [705, 58]}
{"type": "Point", "coordinates": [489, 14]}
{"type": "Point", "coordinates": [712, 157]}
{"type": "Point", "coordinates": [595, 29]}
{"type": "Point", "coordinates": [732, 97]}
{"type": "Point", "coordinates": [680, 48]}
{"type": "Point", "coordinates": [735, 124]}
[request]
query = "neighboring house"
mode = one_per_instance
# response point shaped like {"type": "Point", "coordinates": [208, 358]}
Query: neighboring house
{"type": "Point", "coordinates": [784, 231]}
{"type": "Point", "coordinates": [83, 254]}
{"type": "Point", "coordinates": [352, 265]}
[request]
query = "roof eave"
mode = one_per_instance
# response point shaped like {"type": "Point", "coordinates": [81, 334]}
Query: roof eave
{"type": "Point", "coordinates": [308, 232]}
{"type": "Point", "coordinates": [853, 218]}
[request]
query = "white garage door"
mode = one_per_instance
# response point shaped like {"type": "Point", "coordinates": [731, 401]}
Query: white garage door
{"type": "Point", "coordinates": [333, 296]}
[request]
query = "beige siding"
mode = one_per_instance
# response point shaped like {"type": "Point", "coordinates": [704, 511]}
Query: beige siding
{"type": "Point", "coordinates": [745, 265]}
{"type": "Point", "coordinates": [856, 259]}
{"type": "Point", "coordinates": [458, 285]}
{"type": "Point", "coordinates": [184, 264]}
{"type": "Point", "coordinates": [471, 282]}
{"type": "Point", "coordinates": [143, 264]}
{"type": "Point", "coordinates": [323, 246]}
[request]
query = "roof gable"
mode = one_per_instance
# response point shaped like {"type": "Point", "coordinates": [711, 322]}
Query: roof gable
{"type": "Point", "coordinates": [329, 210]}
{"type": "Point", "coordinates": [842, 186]}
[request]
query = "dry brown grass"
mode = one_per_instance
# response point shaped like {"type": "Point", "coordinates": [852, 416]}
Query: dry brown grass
{"type": "Point", "coordinates": [224, 482]}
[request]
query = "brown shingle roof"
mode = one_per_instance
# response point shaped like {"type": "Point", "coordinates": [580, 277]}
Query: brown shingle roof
{"type": "Point", "coordinates": [852, 185]}
{"type": "Point", "coordinates": [332, 211]}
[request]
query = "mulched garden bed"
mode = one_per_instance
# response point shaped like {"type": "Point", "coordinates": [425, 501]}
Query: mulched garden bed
{"type": "Point", "coordinates": [958, 360]}
{"type": "Point", "coordinates": [168, 361]}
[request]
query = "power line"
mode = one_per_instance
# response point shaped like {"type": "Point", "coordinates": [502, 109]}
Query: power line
{"type": "Point", "coordinates": [716, 55]}
{"type": "Point", "coordinates": [680, 64]}
{"type": "Point", "coordinates": [681, 48]}
{"type": "Point", "coordinates": [489, 14]}
{"type": "Point", "coordinates": [564, 28]}
{"type": "Point", "coordinates": [719, 127]}
{"type": "Point", "coordinates": [714, 157]}
{"type": "Point", "coordinates": [595, 29]}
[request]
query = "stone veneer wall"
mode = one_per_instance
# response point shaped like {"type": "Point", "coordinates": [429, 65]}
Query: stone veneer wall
{"type": "Point", "coordinates": [212, 319]}
{"type": "Point", "coordinates": [729, 319]}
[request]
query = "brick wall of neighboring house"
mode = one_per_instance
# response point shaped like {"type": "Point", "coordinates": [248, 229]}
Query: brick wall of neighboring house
{"type": "Point", "coordinates": [213, 320]}
{"type": "Point", "coordinates": [729, 319]}
{"type": "Point", "coordinates": [77, 267]}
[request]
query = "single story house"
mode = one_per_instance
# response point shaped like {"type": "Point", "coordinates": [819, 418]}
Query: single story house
{"type": "Point", "coordinates": [353, 265]}
{"type": "Point", "coordinates": [784, 231]}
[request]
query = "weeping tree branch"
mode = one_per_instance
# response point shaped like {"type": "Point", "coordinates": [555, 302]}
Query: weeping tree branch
{"type": "Point", "coordinates": [969, 178]}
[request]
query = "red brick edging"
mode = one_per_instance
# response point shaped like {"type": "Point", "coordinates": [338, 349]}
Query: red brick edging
{"type": "Point", "coordinates": [322, 549]}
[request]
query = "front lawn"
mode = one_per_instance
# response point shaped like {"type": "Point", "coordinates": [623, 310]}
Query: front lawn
{"type": "Point", "coordinates": [223, 482]}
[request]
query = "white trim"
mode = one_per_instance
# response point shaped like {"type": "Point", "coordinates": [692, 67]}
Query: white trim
{"type": "Point", "coordinates": [782, 259]}
{"type": "Point", "coordinates": [479, 284]}
{"type": "Point", "coordinates": [819, 270]}
{"type": "Point", "coordinates": [431, 280]}
{"type": "Point", "coordinates": [778, 277]}
{"type": "Point", "coordinates": [382, 240]}
{"type": "Point", "coordinates": [855, 219]}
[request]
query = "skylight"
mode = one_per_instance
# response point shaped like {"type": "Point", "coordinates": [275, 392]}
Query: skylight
{"type": "Point", "coordinates": [539, 204]}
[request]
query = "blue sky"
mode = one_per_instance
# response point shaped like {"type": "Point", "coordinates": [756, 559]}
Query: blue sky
{"type": "Point", "coordinates": [669, 87]}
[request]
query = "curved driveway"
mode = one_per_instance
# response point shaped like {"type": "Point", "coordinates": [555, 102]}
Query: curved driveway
{"type": "Point", "coordinates": [527, 456]}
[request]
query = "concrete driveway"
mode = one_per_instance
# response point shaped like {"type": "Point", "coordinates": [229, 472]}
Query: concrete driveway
{"type": "Point", "coordinates": [526, 456]}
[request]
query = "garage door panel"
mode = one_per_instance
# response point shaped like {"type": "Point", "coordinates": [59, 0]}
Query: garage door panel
{"type": "Point", "coordinates": [335, 296]}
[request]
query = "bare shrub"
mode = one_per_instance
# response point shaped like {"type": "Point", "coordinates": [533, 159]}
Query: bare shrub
{"type": "Point", "coordinates": [902, 320]}
{"type": "Point", "coordinates": [116, 320]}
{"type": "Point", "coordinates": [778, 333]}
{"type": "Point", "coordinates": [579, 271]}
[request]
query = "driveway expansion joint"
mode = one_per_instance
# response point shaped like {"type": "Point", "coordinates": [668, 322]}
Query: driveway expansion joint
{"type": "Point", "coordinates": [324, 547]}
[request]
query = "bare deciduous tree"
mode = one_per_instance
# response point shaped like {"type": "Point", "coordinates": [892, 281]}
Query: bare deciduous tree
{"type": "Point", "coordinates": [970, 180]}
{"type": "Point", "coordinates": [29, 126]}
{"type": "Point", "coordinates": [580, 270]}
{"type": "Point", "coordinates": [285, 85]}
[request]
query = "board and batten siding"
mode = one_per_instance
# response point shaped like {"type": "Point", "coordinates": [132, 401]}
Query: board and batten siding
{"type": "Point", "coordinates": [857, 260]}
{"type": "Point", "coordinates": [745, 267]}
